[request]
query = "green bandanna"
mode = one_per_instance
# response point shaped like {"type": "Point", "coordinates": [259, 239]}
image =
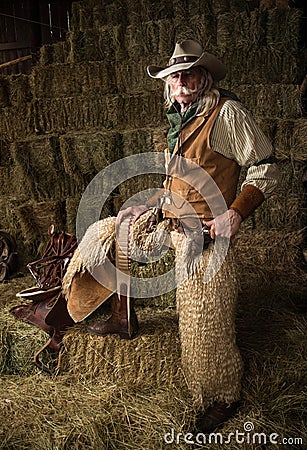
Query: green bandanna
{"type": "Point", "coordinates": [179, 120]}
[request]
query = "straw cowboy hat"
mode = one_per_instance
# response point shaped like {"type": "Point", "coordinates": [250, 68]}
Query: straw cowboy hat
{"type": "Point", "coordinates": [187, 54]}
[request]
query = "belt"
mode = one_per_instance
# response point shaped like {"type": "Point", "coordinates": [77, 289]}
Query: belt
{"type": "Point", "coordinates": [190, 226]}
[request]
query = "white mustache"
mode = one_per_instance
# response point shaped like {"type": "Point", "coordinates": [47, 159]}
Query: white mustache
{"type": "Point", "coordinates": [182, 90]}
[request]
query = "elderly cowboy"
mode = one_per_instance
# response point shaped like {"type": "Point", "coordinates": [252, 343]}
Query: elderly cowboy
{"type": "Point", "coordinates": [211, 130]}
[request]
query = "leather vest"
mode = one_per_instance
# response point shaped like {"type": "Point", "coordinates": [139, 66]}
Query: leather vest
{"type": "Point", "coordinates": [203, 183]}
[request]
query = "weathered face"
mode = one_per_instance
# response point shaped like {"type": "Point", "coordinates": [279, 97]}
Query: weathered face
{"type": "Point", "coordinates": [185, 85]}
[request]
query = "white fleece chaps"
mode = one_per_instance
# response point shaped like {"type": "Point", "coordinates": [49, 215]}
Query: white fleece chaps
{"type": "Point", "coordinates": [206, 306]}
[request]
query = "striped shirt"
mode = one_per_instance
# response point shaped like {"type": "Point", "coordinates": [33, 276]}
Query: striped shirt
{"type": "Point", "coordinates": [237, 136]}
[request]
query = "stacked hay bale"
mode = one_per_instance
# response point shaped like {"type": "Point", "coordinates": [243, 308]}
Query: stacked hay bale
{"type": "Point", "coordinates": [272, 241]}
{"type": "Point", "coordinates": [89, 103]}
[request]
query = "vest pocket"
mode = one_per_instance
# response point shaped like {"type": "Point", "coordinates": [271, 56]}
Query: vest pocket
{"type": "Point", "coordinates": [183, 197]}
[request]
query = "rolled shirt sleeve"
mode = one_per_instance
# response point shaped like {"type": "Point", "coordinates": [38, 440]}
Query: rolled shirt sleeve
{"type": "Point", "coordinates": [237, 136]}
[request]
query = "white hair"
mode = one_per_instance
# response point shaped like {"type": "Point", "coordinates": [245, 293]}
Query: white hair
{"type": "Point", "coordinates": [208, 95]}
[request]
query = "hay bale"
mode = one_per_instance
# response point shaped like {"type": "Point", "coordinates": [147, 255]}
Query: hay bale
{"type": "Point", "coordinates": [232, 27]}
{"type": "Point", "coordinates": [162, 10]}
{"type": "Point", "coordinates": [145, 11]}
{"type": "Point", "coordinates": [36, 217]}
{"type": "Point", "coordinates": [256, 64]}
{"type": "Point", "coordinates": [76, 113]}
{"type": "Point", "coordinates": [71, 208]}
{"type": "Point", "coordinates": [137, 141]}
{"type": "Point", "coordinates": [93, 45]}
{"type": "Point", "coordinates": [159, 138]}
{"type": "Point", "coordinates": [275, 29]}
{"type": "Point", "coordinates": [5, 181]}
{"type": "Point", "coordinates": [180, 9]}
{"type": "Point", "coordinates": [8, 214]}
{"type": "Point", "coordinates": [53, 53]}
{"type": "Point", "coordinates": [201, 26]}
{"type": "Point", "coordinates": [220, 6]}
{"type": "Point", "coordinates": [85, 155]}
{"type": "Point", "coordinates": [285, 209]}
{"type": "Point", "coordinates": [154, 40]}
{"type": "Point", "coordinates": [283, 29]}
{"type": "Point", "coordinates": [279, 101]}
{"type": "Point", "coordinates": [142, 110]}
{"type": "Point", "coordinates": [142, 39]}
{"type": "Point", "coordinates": [56, 80]}
{"type": "Point", "coordinates": [268, 65]}
{"type": "Point", "coordinates": [290, 141]}
{"type": "Point", "coordinates": [298, 152]}
{"type": "Point", "coordinates": [64, 80]}
{"type": "Point", "coordinates": [16, 123]}
{"type": "Point", "coordinates": [166, 33]}
{"type": "Point", "coordinates": [20, 91]}
{"type": "Point", "coordinates": [89, 357]}
{"type": "Point", "coordinates": [155, 269]}
{"type": "Point", "coordinates": [270, 253]}
{"type": "Point", "coordinates": [90, 210]}
{"type": "Point", "coordinates": [113, 13]}
{"type": "Point", "coordinates": [257, 28]}
{"type": "Point", "coordinates": [291, 177]}
{"type": "Point", "coordinates": [282, 211]}
{"type": "Point", "coordinates": [4, 154]}
{"type": "Point", "coordinates": [270, 329]}
{"type": "Point", "coordinates": [37, 159]}
{"type": "Point", "coordinates": [19, 343]}
{"type": "Point", "coordinates": [268, 126]}
{"type": "Point", "coordinates": [136, 187]}
{"type": "Point", "coordinates": [269, 100]}
{"type": "Point", "coordinates": [13, 182]}
{"type": "Point", "coordinates": [97, 77]}
{"type": "Point", "coordinates": [183, 30]}
{"type": "Point", "coordinates": [131, 76]}
{"type": "Point", "coordinates": [82, 16]}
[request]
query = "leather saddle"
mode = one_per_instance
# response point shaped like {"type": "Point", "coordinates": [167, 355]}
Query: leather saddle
{"type": "Point", "coordinates": [45, 305]}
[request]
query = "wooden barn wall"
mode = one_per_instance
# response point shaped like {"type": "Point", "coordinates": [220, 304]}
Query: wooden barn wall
{"type": "Point", "coordinates": [89, 102]}
{"type": "Point", "coordinates": [26, 25]}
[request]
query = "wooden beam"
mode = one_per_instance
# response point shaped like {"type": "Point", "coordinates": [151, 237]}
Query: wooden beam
{"type": "Point", "coordinates": [15, 61]}
{"type": "Point", "coordinates": [15, 45]}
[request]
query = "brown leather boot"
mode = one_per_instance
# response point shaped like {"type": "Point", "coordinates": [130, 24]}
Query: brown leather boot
{"type": "Point", "coordinates": [118, 322]}
{"type": "Point", "coordinates": [215, 415]}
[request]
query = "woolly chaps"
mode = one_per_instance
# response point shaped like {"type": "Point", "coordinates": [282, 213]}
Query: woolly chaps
{"type": "Point", "coordinates": [206, 304]}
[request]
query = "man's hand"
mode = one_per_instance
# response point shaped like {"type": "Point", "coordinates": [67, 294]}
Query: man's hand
{"type": "Point", "coordinates": [225, 225]}
{"type": "Point", "coordinates": [134, 211]}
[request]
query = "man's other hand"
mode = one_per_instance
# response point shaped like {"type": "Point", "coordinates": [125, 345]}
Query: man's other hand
{"type": "Point", "coordinates": [134, 211]}
{"type": "Point", "coordinates": [225, 225]}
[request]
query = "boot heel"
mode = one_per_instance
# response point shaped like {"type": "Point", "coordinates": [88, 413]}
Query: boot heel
{"type": "Point", "coordinates": [125, 335]}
